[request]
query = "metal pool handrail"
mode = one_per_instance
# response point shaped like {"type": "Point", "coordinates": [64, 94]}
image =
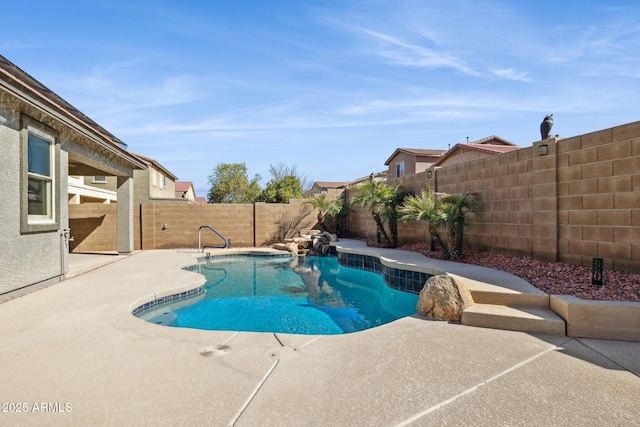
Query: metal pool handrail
{"type": "Point", "coordinates": [202, 248]}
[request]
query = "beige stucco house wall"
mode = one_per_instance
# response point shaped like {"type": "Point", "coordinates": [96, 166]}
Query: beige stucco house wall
{"type": "Point", "coordinates": [43, 140]}
{"type": "Point", "coordinates": [153, 183]}
{"type": "Point", "coordinates": [92, 189]}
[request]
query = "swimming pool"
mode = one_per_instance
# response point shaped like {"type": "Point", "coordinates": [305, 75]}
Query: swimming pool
{"type": "Point", "coordinates": [306, 295]}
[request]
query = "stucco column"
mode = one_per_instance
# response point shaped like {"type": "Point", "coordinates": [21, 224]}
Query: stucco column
{"type": "Point", "coordinates": [124, 215]}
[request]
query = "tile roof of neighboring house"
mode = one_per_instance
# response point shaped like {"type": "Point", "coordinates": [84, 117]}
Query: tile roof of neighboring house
{"type": "Point", "coordinates": [184, 186]}
{"type": "Point", "coordinates": [19, 83]}
{"type": "Point", "coordinates": [423, 152]}
{"type": "Point", "coordinates": [493, 138]}
{"type": "Point", "coordinates": [329, 184]}
{"type": "Point", "coordinates": [380, 175]}
{"type": "Point", "coordinates": [200, 200]}
{"type": "Point", "coordinates": [151, 162]}
{"type": "Point", "coordinates": [481, 145]}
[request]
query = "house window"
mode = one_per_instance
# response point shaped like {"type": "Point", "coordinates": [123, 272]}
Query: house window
{"type": "Point", "coordinates": [164, 181]}
{"type": "Point", "coordinates": [99, 179]}
{"type": "Point", "coordinates": [40, 176]}
{"type": "Point", "coordinates": [399, 170]}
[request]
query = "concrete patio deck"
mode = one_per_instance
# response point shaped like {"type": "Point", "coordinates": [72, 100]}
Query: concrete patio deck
{"type": "Point", "coordinates": [75, 350]}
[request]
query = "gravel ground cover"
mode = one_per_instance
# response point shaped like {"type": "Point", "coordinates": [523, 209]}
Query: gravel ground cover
{"type": "Point", "coordinates": [554, 278]}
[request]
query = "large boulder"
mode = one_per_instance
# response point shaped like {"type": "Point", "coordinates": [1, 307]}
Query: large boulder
{"type": "Point", "coordinates": [292, 247]}
{"type": "Point", "coordinates": [280, 246]}
{"type": "Point", "coordinates": [444, 298]}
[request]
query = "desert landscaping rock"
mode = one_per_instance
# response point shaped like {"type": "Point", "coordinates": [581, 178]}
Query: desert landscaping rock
{"type": "Point", "coordinates": [444, 298]}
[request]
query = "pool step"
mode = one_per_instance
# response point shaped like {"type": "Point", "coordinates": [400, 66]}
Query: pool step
{"type": "Point", "coordinates": [510, 298]}
{"type": "Point", "coordinates": [514, 318]}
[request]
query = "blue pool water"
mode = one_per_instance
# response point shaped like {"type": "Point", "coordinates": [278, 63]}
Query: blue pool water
{"type": "Point", "coordinates": [306, 295]}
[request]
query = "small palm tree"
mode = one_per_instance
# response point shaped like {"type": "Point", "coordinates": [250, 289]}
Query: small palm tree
{"type": "Point", "coordinates": [324, 207]}
{"type": "Point", "coordinates": [375, 197]}
{"type": "Point", "coordinates": [426, 207]}
{"type": "Point", "coordinates": [455, 216]}
{"type": "Point", "coordinates": [391, 214]}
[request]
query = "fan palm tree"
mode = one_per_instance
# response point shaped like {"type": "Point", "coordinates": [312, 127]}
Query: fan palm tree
{"type": "Point", "coordinates": [391, 214]}
{"type": "Point", "coordinates": [324, 207]}
{"type": "Point", "coordinates": [455, 215]}
{"type": "Point", "coordinates": [426, 207]}
{"type": "Point", "coordinates": [375, 197]}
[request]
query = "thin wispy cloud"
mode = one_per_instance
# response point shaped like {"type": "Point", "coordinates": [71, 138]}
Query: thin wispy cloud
{"type": "Point", "coordinates": [511, 74]}
{"type": "Point", "coordinates": [404, 53]}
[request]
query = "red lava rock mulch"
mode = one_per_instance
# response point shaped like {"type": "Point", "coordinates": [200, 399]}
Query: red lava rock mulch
{"type": "Point", "coordinates": [554, 278]}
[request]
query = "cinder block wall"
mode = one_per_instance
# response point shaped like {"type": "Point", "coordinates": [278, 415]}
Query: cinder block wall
{"type": "Point", "coordinates": [359, 221]}
{"type": "Point", "coordinates": [93, 227]}
{"type": "Point", "coordinates": [172, 225]}
{"type": "Point", "coordinates": [234, 221]}
{"type": "Point", "coordinates": [268, 215]}
{"type": "Point", "coordinates": [599, 197]}
{"type": "Point", "coordinates": [559, 200]}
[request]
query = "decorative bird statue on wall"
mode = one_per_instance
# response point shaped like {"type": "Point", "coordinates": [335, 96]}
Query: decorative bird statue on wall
{"type": "Point", "coordinates": [545, 127]}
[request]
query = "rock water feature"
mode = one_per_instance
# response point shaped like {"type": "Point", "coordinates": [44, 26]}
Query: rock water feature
{"type": "Point", "coordinates": [316, 242]}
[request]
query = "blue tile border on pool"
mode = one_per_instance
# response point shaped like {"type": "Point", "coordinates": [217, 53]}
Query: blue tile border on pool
{"type": "Point", "coordinates": [239, 254]}
{"type": "Point", "coordinates": [169, 298]}
{"type": "Point", "coordinates": [396, 278]}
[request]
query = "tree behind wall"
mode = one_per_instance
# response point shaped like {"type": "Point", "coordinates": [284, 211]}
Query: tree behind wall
{"type": "Point", "coordinates": [281, 190]}
{"type": "Point", "coordinates": [230, 184]}
{"type": "Point", "coordinates": [280, 171]}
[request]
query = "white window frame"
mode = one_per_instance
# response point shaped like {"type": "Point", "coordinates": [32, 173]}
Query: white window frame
{"type": "Point", "coordinates": [49, 221]}
{"type": "Point", "coordinates": [48, 180]}
{"type": "Point", "coordinates": [99, 179]}
{"type": "Point", "coordinates": [400, 169]}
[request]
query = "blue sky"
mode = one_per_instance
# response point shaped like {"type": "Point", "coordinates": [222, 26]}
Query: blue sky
{"type": "Point", "coordinates": [333, 87]}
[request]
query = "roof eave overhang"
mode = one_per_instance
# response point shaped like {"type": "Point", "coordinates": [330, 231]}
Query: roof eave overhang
{"type": "Point", "coordinates": [74, 124]}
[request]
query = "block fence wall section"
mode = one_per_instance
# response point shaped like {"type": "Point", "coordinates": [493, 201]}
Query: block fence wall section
{"type": "Point", "coordinates": [564, 200]}
{"type": "Point", "coordinates": [93, 227]}
{"type": "Point", "coordinates": [244, 225]}
{"type": "Point", "coordinates": [234, 221]}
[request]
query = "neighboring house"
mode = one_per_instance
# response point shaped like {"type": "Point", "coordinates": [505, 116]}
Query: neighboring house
{"type": "Point", "coordinates": [484, 147]}
{"type": "Point", "coordinates": [336, 188]}
{"type": "Point", "coordinates": [44, 140]}
{"type": "Point", "coordinates": [409, 161]}
{"type": "Point", "coordinates": [322, 187]}
{"type": "Point", "coordinates": [92, 189]}
{"type": "Point", "coordinates": [377, 177]}
{"type": "Point", "coordinates": [155, 183]}
{"type": "Point", "coordinates": [185, 190]}
{"type": "Point", "coordinates": [331, 189]}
